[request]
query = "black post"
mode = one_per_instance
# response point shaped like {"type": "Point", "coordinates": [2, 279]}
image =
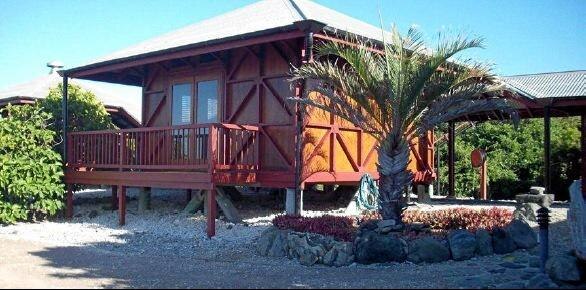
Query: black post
{"type": "Point", "coordinates": [451, 159]}
{"type": "Point", "coordinates": [64, 117]}
{"type": "Point", "coordinates": [547, 149]}
{"type": "Point", "coordinates": [543, 221]}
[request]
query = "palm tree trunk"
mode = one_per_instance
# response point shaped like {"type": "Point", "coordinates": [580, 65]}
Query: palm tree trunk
{"type": "Point", "coordinates": [393, 158]}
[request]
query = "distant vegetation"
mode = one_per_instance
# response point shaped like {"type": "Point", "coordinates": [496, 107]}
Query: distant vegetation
{"type": "Point", "coordinates": [515, 157]}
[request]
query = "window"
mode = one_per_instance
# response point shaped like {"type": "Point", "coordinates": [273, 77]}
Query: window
{"type": "Point", "coordinates": [207, 102]}
{"type": "Point", "coordinates": [181, 114]}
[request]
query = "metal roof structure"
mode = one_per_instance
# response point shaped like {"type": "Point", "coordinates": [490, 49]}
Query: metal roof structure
{"type": "Point", "coordinates": [114, 97]}
{"type": "Point", "coordinates": [570, 84]}
{"type": "Point", "coordinates": [260, 18]}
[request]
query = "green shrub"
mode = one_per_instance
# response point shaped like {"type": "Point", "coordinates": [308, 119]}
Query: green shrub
{"type": "Point", "coordinates": [30, 171]}
{"type": "Point", "coordinates": [86, 112]}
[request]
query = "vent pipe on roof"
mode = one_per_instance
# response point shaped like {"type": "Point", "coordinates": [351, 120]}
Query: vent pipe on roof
{"type": "Point", "coordinates": [54, 65]}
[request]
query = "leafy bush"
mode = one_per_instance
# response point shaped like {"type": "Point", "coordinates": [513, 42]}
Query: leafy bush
{"type": "Point", "coordinates": [338, 227]}
{"type": "Point", "coordinates": [30, 171]}
{"type": "Point", "coordinates": [460, 218]}
{"type": "Point", "coordinates": [86, 112]}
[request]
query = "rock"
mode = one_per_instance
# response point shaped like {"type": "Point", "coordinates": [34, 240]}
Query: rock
{"type": "Point", "coordinates": [540, 281]}
{"type": "Point", "coordinates": [526, 212]}
{"type": "Point", "coordinates": [386, 223]}
{"type": "Point", "coordinates": [279, 247]}
{"type": "Point", "coordinates": [308, 258]}
{"type": "Point", "coordinates": [427, 250]}
{"type": "Point", "coordinates": [534, 262]}
{"type": "Point", "coordinates": [265, 242]}
{"type": "Point", "coordinates": [529, 273]}
{"type": "Point", "coordinates": [502, 242]}
{"type": "Point", "coordinates": [511, 285]}
{"type": "Point", "coordinates": [522, 234]}
{"type": "Point", "coordinates": [374, 248]}
{"type": "Point", "coordinates": [544, 200]}
{"type": "Point", "coordinates": [537, 190]}
{"type": "Point", "coordinates": [330, 257]}
{"type": "Point", "coordinates": [483, 243]}
{"type": "Point", "coordinates": [511, 265]}
{"type": "Point", "coordinates": [462, 244]}
{"type": "Point", "coordinates": [345, 254]}
{"type": "Point", "coordinates": [563, 268]}
{"type": "Point", "coordinates": [477, 282]}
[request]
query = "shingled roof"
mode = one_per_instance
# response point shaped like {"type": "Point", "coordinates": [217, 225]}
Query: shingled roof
{"type": "Point", "coordinates": [260, 18]}
{"type": "Point", "coordinates": [570, 84]}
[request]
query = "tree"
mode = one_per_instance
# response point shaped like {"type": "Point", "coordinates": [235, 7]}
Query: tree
{"type": "Point", "coordinates": [30, 171]}
{"type": "Point", "coordinates": [86, 112]}
{"type": "Point", "coordinates": [399, 95]}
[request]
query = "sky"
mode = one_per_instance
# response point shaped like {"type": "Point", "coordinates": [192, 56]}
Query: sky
{"type": "Point", "coordinates": [521, 36]}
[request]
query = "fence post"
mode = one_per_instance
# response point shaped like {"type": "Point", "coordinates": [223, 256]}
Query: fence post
{"type": "Point", "coordinates": [212, 147]}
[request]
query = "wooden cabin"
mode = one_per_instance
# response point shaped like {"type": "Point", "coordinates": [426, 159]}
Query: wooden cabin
{"type": "Point", "coordinates": [216, 109]}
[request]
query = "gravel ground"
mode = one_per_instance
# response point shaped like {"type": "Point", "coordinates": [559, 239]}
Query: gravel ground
{"type": "Point", "coordinates": [167, 248]}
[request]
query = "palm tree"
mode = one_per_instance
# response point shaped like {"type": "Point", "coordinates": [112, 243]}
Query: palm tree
{"type": "Point", "coordinates": [399, 94]}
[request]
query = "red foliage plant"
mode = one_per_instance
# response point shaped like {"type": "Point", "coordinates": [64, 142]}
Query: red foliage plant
{"type": "Point", "coordinates": [460, 218]}
{"type": "Point", "coordinates": [339, 227]}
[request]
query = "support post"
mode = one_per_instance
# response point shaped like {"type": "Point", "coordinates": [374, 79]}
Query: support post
{"type": "Point", "coordinates": [483, 181]}
{"type": "Point", "coordinates": [583, 130]}
{"type": "Point", "coordinates": [121, 205]}
{"type": "Point", "coordinates": [211, 214]}
{"type": "Point", "coordinates": [144, 199]}
{"type": "Point", "coordinates": [547, 149]}
{"type": "Point", "coordinates": [64, 118]}
{"type": "Point", "coordinates": [451, 159]}
{"type": "Point", "coordinates": [188, 195]}
{"type": "Point", "coordinates": [290, 201]}
{"type": "Point", "coordinates": [69, 213]}
{"type": "Point", "coordinates": [114, 200]}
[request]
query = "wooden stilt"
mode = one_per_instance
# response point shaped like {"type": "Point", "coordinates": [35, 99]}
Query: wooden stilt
{"type": "Point", "coordinates": [69, 201]}
{"type": "Point", "coordinates": [451, 159]}
{"type": "Point", "coordinates": [583, 156]}
{"type": "Point", "coordinates": [122, 205]}
{"type": "Point", "coordinates": [114, 200]}
{"type": "Point", "coordinates": [211, 214]}
{"type": "Point", "coordinates": [547, 149]}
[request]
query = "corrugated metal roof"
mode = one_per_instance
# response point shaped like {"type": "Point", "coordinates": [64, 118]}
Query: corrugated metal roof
{"type": "Point", "coordinates": [550, 85]}
{"type": "Point", "coordinates": [110, 94]}
{"type": "Point", "coordinates": [257, 17]}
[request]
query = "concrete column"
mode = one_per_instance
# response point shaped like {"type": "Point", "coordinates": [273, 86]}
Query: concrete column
{"type": "Point", "coordinates": [290, 201]}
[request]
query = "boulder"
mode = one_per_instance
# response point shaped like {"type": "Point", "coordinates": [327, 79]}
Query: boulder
{"type": "Point", "coordinates": [502, 242]}
{"type": "Point", "coordinates": [265, 242]}
{"type": "Point", "coordinates": [273, 243]}
{"type": "Point", "coordinates": [308, 257]}
{"type": "Point", "coordinates": [563, 268]}
{"type": "Point", "coordinates": [462, 244]}
{"type": "Point", "coordinates": [540, 281]}
{"type": "Point", "coordinates": [537, 190]}
{"type": "Point", "coordinates": [374, 248]}
{"type": "Point", "coordinates": [522, 234]}
{"type": "Point", "coordinates": [544, 200]}
{"type": "Point", "coordinates": [483, 243]}
{"type": "Point", "coordinates": [341, 254]}
{"type": "Point", "coordinates": [427, 250]}
{"type": "Point", "coordinates": [526, 212]}
{"type": "Point", "coordinates": [300, 248]}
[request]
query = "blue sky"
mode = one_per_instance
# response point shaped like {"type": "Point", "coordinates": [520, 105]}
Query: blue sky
{"type": "Point", "coordinates": [521, 36]}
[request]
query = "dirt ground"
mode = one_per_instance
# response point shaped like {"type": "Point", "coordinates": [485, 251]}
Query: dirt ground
{"type": "Point", "coordinates": [164, 249]}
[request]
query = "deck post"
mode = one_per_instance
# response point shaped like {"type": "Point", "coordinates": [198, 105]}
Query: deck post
{"type": "Point", "coordinates": [64, 117]}
{"type": "Point", "coordinates": [547, 149]}
{"type": "Point", "coordinates": [144, 199]}
{"type": "Point", "coordinates": [290, 201]}
{"type": "Point", "coordinates": [451, 159]}
{"type": "Point", "coordinates": [583, 130]}
{"type": "Point", "coordinates": [211, 213]}
{"type": "Point", "coordinates": [121, 205]}
{"type": "Point", "coordinates": [114, 200]}
{"type": "Point", "coordinates": [69, 213]}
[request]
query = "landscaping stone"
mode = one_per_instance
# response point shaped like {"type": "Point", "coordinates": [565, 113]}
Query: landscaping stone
{"type": "Point", "coordinates": [529, 273]}
{"type": "Point", "coordinates": [308, 258]}
{"type": "Point", "coordinates": [427, 250]}
{"type": "Point", "coordinates": [540, 281]}
{"type": "Point", "coordinates": [265, 241]}
{"type": "Point", "coordinates": [477, 281]}
{"type": "Point", "coordinates": [563, 268]}
{"type": "Point", "coordinates": [279, 247]}
{"type": "Point", "coordinates": [523, 236]}
{"type": "Point", "coordinates": [483, 243]}
{"type": "Point", "coordinates": [512, 265]}
{"type": "Point", "coordinates": [544, 200]}
{"type": "Point", "coordinates": [534, 262]}
{"type": "Point", "coordinates": [462, 244]}
{"type": "Point", "coordinates": [526, 211]}
{"type": "Point", "coordinates": [374, 248]}
{"type": "Point", "coordinates": [511, 285]}
{"type": "Point", "coordinates": [502, 242]}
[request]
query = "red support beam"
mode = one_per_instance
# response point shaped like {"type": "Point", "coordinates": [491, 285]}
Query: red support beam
{"type": "Point", "coordinates": [122, 205]}
{"type": "Point", "coordinates": [211, 214]}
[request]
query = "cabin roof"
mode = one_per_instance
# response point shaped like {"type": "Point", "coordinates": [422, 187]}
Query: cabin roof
{"type": "Point", "coordinates": [260, 18]}
{"type": "Point", "coordinates": [116, 98]}
{"type": "Point", "coordinates": [569, 84]}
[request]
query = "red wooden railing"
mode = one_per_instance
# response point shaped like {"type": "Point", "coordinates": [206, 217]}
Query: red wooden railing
{"type": "Point", "coordinates": [201, 147]}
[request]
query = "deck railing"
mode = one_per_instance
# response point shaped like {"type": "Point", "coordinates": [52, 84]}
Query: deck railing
{"type": "Point", "coordinates": [201, 147]}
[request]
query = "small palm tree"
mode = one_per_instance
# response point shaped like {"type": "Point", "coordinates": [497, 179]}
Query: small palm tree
{"type": "Point", "coordinates": [399, 95]}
